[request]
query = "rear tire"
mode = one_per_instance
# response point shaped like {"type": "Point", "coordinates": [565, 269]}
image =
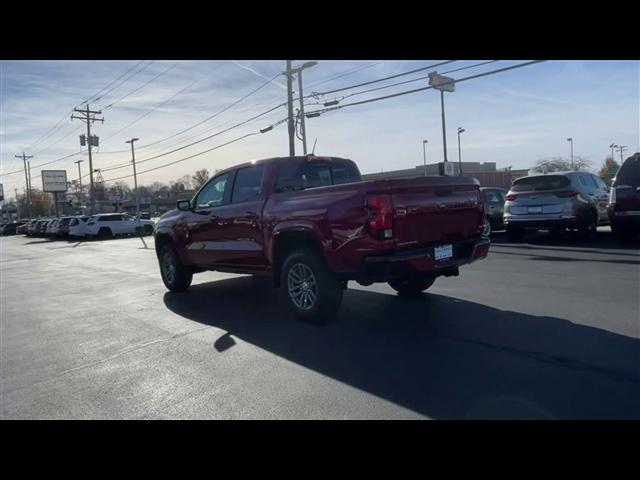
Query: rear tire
{"type": "Point", "coordinates": [486, 229]}
{"type": "Point", "coordinates": [515, 234]}
{"type": "Point", "coordinates": [176, 277]}
{"type": "Point", "coordinates": [412, 286]}
{"type": "Point", "coordinates": [312, 291]}
{"type": "Point", "coordinates": [587, 230]}
{"type": "Point", "coordinates": [105, 232]}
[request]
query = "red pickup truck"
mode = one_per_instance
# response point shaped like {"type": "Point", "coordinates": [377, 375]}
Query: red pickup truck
{"type": "Point", "coordinates": [312, 224]}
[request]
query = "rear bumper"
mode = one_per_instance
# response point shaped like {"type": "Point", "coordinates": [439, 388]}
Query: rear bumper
{"type": "Point", "coordinates": [542, 221]}
{"type": "Point", "coordinates": [382, 268]}
{"type": "Point", "coordinates": [624, 218]}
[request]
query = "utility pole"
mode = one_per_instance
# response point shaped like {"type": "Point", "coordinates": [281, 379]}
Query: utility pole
{"type": "Point", "coordinates": [17, 203]}
{"type": "Point", "coordinates": [298, 71]}
{"type": "Point", "coordinates": [292, 146]}
{"type": "Point", "coordinates": [621, 148]}
{"type": "Point", "coordinates": [26, 179]}
{"type": "Point", "coordinates": [89, 116]}
{"type": "Point", "coordinates": [81, 196]}
{"type": "Point", "coordinates": [612, 146]}
{"type": "Point", "coordinates": [444, 128]}
{"type": "Point", "coordinates": [135, 179]}
{"type": "Point", "coordinates": [571, 141]}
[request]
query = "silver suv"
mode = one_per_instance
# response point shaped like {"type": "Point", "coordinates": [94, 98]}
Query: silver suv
{"type": "Point", "coordinates": [555, 202]}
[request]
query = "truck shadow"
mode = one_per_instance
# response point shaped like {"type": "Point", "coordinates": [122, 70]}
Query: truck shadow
{"type": "Point", "coordinates": [438, 356]}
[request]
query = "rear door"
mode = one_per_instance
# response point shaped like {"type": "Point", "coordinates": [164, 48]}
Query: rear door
{"type": "Point", "coordinates": [238, 241]}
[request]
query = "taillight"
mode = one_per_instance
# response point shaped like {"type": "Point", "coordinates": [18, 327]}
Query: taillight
{"type": "Point", "coordinates": [511, 196]}
{"type": "Point", "coordinates": [567, 194]}
{"type": "Point", "coordinates": [380, 220]}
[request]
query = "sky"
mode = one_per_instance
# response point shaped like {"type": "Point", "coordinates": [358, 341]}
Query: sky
{"type": "Point", "coordinates": [513, 118]}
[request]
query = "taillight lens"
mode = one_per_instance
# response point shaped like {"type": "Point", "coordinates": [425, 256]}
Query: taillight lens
{"type": "Point", "coordinates": [566, 194]}
{"type": "Point", "coordinates": [380, 221]}
{"type": "Point", "coordinates": [511, 196]}
{"type": "Point", "coordinates": [612, 196]}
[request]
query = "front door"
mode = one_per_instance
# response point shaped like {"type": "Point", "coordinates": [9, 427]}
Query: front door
{"type": "Point", "coordinates": [205, 221]}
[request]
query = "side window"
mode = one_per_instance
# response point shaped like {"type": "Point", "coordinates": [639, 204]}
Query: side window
{"type": "Point", "coordinates": [492, 196]}
{"type": "Point", "coordinates": [587, 181]}
{"type": "Point", "coordinates": [212, 194]}
{"type": "Point", "coordinates": [247, 184]}
{"type": "Point", "coordinates": [600, 183]}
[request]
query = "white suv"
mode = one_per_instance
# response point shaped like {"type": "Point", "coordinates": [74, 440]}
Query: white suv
{"type": "Point", "coordinates": [108, 225]}
{"type": "Point", "coordinates": [78, 226]}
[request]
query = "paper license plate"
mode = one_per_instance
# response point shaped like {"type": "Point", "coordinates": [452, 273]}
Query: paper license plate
{"type": "Point", "coordinates": [443, 252]}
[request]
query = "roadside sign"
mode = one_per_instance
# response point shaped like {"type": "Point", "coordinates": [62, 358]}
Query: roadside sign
{"type": "Point", "coordinates": [612, 169]}
{"type": "Point", "coordinates": [54, 180]}
{"type": "Point", "coordinates": [442, 83]}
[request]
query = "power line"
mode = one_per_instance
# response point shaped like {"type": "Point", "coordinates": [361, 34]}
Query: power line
{"type": "Point", "coordinates": [385, 78]}
{"type": "Point", "coordinates": [152, 110]}
{"type": "Point", "coordinates": [141, 86]}
{"type": "Point", "coordinates": [200, 153]}
{"type": "Point", "coordinates": [417, 79]}
{"type": "Point", "coordinates": [95, 97]}
{"type": "Point", "coordinates": [198, 141]}
{"type": "Point", "coordinates": [320, 111]}
{"type": "Point", "coordinates": [346, 73]}
{"type": "Point", "coordinates": [43, 164]}
{"type": "Point", "coordinates": [108, 92]}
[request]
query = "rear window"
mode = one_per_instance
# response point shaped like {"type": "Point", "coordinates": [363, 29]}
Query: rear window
{"type": "Point", "coordinates": [629, 173]}
{"type": "Point", "coordinates": [542, 182]}
{"type": "Point", "coordinates": [302, 174]}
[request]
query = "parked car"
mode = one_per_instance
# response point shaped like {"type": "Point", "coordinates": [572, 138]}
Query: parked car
{"type": "Point", "coordinates": [52, 227]}
{"type": "Point", "coordinates": [556, 202]}
{"type": "Point", "coordinates": [9, 228]}
{"type": "Point", "coordinates": [22, 229]}
{"type": "Point", "coordinates": [41, 227]}
{"type": "Point", "coordinates": [624, 200]}
{"type": "Point", "coordinates": [494, 199]}
{"type": "Point", "coordinates": [108, 225]}
{"type": "Point", "coordinates": [78, 225]}
{"type": "Point", "coordinates": [312, 224]}
{"type": "Point", "coordinates": [31, 226]}
{"type": "Point", "coordinates": [62, 229]}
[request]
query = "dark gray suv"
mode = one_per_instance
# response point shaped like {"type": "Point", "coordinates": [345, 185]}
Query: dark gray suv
{"type": "Point", "coordinates": [555, 202]}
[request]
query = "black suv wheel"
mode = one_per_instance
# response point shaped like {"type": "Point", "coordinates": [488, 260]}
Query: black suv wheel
{"type": "Point", "coordinates": [175, 276]}
{"type": "Point", "coordinates": [311, 290]}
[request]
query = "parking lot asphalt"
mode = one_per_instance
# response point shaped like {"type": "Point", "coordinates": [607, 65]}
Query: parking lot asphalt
{"type": "Point", "coordinates": [544, 329]}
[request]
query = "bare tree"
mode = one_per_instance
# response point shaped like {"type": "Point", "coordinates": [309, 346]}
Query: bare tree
{"type": "Point", "coordinates": [560, 164]}
{"type": "Point", "coordinates": [200, 178]}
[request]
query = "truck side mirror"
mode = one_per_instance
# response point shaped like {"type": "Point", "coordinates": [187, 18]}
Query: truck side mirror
{"type": "Point", "coordinates": [184, 205]}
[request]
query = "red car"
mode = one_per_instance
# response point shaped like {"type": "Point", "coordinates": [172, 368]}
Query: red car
{"type": "Point", "coordinates": [624, 200]}
{"type": "Point", "coordinates": [311, 224]}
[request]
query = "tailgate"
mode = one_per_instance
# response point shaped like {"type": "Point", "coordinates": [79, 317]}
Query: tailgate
{"type": "Point", "coordinates": [435, 209]}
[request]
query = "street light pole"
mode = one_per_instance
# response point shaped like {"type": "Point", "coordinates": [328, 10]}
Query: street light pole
{"type": "Point", "coordinates": [424, 154]}
{"type": "Point", "coordinates": [444, 129]}
{"type": "Point", "coordinates": [571, 141]}
{"type": "Point", "coordinates": [460, 130]}
{"type": "Point", "coordinates": [135, 178]}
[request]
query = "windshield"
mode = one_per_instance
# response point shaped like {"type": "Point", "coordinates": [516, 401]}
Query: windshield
{"type": "Point", "coordinates": [540, 183]}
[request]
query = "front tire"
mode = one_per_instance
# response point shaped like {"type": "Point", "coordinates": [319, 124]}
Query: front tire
{"type": "Point", "coordinates": [486, 228]}
{"type": "Point", "coordinates": [589, 227]}
{"type": "Point", "coordinates": [176, 277]}
{"type": "Point", "coordinates": [411, 287]}
{"type": "Point", "coordinates": [312, 292]}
